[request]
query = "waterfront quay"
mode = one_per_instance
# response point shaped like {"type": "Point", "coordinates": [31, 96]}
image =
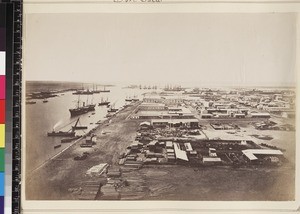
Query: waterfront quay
{"type": "Point", "coordinates": [181, 145]}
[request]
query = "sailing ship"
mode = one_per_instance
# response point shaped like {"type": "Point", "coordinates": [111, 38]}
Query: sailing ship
{"type": "Point", "coordinates": [83, 92]}
{"type": "Point", "coordinates": [103, 102]}
{"type": "Point", "coordinates": [104, 90]}
{"type": "Point", "coordinates": [81, 109]}
{"type": "Point", "coordinates": [95, 90]}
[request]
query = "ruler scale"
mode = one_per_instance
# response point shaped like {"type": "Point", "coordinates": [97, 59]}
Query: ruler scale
{"type": "Point", "coordinates": [16, 147]}
{"type": "Point", "coordinates": [3, 54]}
{"type": "Point", "coordinates": [13, 96]}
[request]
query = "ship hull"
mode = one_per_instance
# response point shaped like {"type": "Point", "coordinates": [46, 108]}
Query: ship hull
{"type": "Point", "coordinates": [112, 110]}
{"type": "Point", "coordinates": [79, 127]}
{"type": "Point", "coordinates": [103, 104]}
{"type": "Point", "coordinates": [82, 110]}
{"type": "Point", "coordinates": [61, 134]}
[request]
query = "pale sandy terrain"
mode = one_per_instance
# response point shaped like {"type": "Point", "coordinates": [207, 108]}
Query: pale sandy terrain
{"type": "Point", "coordinates": [57, 179]}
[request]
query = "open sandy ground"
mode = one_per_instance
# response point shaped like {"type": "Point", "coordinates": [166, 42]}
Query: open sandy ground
{"type": "Point", "coordinates": [54, 180]}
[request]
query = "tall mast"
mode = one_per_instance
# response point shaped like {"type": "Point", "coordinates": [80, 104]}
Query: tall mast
{"type": "Point", "coordinates": [78, 101]}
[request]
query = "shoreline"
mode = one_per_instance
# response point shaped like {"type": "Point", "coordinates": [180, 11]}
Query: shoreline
{"type": "Point", "coordinates": [65, 157]}
{"type": "Point", "coordinates": [63, 177]}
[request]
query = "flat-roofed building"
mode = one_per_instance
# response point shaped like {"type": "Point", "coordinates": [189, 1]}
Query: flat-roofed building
{"type": "Point", "coordinates": [260, 115]}
{"type": "Point", "coordinates": [180, 154]}
{"type": "Point", "coordinates": [211, 160]}
{"type": "Point", "coordinates": [152, 107]}
{"type": "Point", "coordinates": [239, 115]}
{"type": "Point", "coordinates": [169, 145]}
{"type": "Point", "coordinates": [192, 123]}
{"type": "Point", "coordinates": [206, 116]}
{"type": "Point", "coordinates": [172, 100]}
{"type": "Point", "coordinates": [252, 154]}
{"type": "Point", "coordinates": [152, 99]}
{"type": "Point", "coordinates": [188, 147]}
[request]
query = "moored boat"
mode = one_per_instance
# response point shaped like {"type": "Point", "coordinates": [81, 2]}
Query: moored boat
{"type": "Point", "coordinates": [81, 109]}
{"type": "Point", "coordinates": [57, 146]}
{"type": "Point", "coordinates": [30, 102]}
{"type": "Point", "coordinates": [103, 102]}
{"type": "Point", "coordinates": [104, 90]}
{"type": "Point", "coordinates": [61, 134]}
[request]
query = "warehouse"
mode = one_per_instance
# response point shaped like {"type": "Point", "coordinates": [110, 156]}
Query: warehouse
{"type": "Point", "coordinates": [191, 123]}
{"type": "Point", "coordinates": [180, 154]}
{"type": "Point", "coordinates": [260, 115]}
{"type": "Point", "coordinates": [255, 154]}
{"type": "Point", "coordinates": [206, 116]}
{"type": "Point", "coordinates": [152, 99]}
{"type": "Point", "coordinates": [211, 160]}
{"type": "Point", "coordinates": [152, 107]}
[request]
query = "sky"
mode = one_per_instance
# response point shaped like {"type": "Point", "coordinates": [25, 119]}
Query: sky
{"type": "Point", "coordinates": [207, 48]}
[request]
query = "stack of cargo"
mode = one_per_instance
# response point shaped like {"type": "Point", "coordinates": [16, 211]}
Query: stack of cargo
{"type": "Point", "coordinates": [131, 157]}
{"type": "Point", "coordinates": [152, 146]}
{"type": "Point", "coordinates": [135, 147]}
{"type": "Point", "coordinates": [97, 170]}
{"type": "Point", "coordinates": [89, 190]}
{"type": "Point", "coordinates": [151, 160]}
{"type": "Point", "coordinates": [108, 192]}
{"type": "Point", "coordinates": [133, 164]}
{"type": "Point", "coordinates": [114, 173]}
{"type": "Point", "coordinates": [170, 151]}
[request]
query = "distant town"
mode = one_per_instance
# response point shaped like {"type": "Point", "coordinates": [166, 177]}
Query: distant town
{"type": "Point", "coordinates": [163, 130]}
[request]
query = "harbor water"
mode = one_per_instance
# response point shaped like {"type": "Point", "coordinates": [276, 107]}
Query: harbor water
{"type": "Point", "coordinates": [43, 117]}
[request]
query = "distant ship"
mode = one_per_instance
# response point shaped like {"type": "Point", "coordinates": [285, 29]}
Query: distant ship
{"type": "Point", "coordinates": [95, 90]}
{"type": "Point", "coordinates": [45, 101]}
{"type": "Point", "coordinates": [104, 90]}
{"type": "Point", "coordinates": [83, 92]}
{"type": "Point", "coordinates": [103, 102]}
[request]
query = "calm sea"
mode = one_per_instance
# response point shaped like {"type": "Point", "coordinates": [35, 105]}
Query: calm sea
{"type": "Point", "coordinates": [42, 117]}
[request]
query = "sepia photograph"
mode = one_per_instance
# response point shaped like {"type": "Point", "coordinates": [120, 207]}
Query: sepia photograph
{"type": "Point", "coordinates": [160, 107]}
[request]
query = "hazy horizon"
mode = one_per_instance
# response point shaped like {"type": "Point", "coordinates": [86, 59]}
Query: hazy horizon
{"type": "Point", "coordinates": [186, 85]}
{"type": "Point", "coordinates": [237, 50]}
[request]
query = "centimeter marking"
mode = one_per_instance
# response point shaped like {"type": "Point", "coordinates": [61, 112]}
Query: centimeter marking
{"type": "Point", "coordinates": [16, 102]}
